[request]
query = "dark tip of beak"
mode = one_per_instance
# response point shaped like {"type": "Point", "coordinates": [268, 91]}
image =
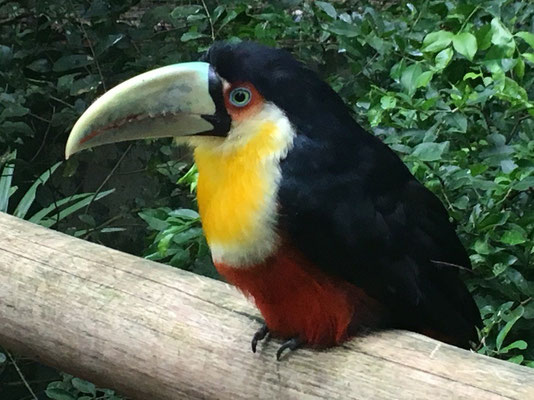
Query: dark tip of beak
{"type": "Point", "coordinates": [221, 120]}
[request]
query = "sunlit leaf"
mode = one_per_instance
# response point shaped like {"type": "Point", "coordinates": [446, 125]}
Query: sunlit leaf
{"type": "Point", "coordinates": [410, 76]}
{"type": "Point", "coordinates": [501, 36]}
{"type": "Point", "coordinates": [512, 238]}
{"type": "Point", "coordinates": [436, 41]}
{"type": "Point", "coordinates": [527, 37]}
{"type": "Point", "coordinates": [443, 58]}
{"type": "Point", "coordinates": [430, 151]}
{"type": "Point", "coordinates": [327, 8]}
{"type": "Point", "coordinates": [466, 44]}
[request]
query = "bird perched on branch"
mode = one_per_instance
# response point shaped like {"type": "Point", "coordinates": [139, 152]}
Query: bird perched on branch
{"type": "Point", "coordinates": [318, 221]}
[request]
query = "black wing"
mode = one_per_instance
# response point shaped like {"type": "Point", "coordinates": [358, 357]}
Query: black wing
{"type": "Point", "coordinates": [352, 207]}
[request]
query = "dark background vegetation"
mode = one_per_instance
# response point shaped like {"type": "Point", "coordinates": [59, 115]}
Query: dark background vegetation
{"type": "Point", "coordinates": [447, 84]}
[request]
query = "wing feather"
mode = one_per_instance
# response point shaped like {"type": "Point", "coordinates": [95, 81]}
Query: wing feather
{"type": "Point", "coordinates": [354, 209]}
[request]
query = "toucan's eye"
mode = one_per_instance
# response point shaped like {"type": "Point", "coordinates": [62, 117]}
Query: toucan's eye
{"type": "Point", "coordinates": [240, 96]}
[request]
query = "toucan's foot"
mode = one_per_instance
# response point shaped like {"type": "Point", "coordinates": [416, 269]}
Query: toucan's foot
{"type": "Point", "coordinates": [291, 344]}
{"type": "Point", "coordinates": [259, 335]}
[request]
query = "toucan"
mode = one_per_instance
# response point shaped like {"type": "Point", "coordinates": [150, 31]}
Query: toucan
{"type": "Point", "coordinates": [315, 219]}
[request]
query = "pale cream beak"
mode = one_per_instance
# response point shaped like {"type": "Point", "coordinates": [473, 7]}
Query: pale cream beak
{"type": "Point", "coordinates": [176, 100]}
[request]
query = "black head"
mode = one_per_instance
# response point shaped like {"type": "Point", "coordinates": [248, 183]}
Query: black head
{"type": "Point", "coordinates": [309, 103]}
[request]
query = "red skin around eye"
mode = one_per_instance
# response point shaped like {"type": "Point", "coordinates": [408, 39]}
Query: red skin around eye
{"type": "Point", "coordinates": [240, 113]}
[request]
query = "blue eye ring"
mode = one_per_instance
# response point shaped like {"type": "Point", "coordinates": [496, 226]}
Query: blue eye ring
{"type": "Point", "coordinates": [240, 96]}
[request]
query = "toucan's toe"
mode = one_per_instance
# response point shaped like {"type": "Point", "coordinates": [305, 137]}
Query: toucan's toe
{"type": "Point", "coordinates": [291, 344]}
{"type": "Point", "coordinates": [259, 335]}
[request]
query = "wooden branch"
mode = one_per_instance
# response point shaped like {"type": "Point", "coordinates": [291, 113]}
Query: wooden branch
{"type": "Point", "coordinates": [154, 332]}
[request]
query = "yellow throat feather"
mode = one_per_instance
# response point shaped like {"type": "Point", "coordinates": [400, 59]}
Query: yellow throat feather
{"type": "Point", "coordinates": [237, 186]}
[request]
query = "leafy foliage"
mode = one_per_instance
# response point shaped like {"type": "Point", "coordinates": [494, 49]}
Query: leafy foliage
{"type": "Point", "coordinates": [178, 240]}
{"type": "Point", "coordinates": [51, 214]}
{"type": "Point", "coordinates": [447, 84]}
{"type": "Point", "coordinates": [70, 388]}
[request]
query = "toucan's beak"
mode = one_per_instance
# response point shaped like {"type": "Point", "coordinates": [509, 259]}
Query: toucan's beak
{"type": "Point", "coordinates": [177, 100]}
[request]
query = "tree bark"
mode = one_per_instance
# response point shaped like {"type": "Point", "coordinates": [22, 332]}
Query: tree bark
{"type": "Point", "coordinates": [154, 332]}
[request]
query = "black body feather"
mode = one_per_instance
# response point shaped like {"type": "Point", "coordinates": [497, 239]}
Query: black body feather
{"type": "Point", "coordinates": [349, 203]}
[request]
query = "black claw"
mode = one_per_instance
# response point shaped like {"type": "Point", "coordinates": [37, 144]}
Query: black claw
{"type": "Point", "coordinates": [259, 335]}
{"type": "Point", "coordinates": [291, 344]}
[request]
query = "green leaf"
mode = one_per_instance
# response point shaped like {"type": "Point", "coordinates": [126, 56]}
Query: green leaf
{"type": "Point", "coordinates": [186, 37]}
{"type": "Point", "coordinates": [492, 220]}
{"type": "Point", "coordinates": [69, 62]}
{"type": "Point", "coordinates": [84, 386]}
{"type": "Point", "coordinates": [180, 258]}
{"type": "Point", "coordinates": [13, 109]}
{"type": "Point", "coordinates": [59, 394]}
{"type": "Point", "coordinates": [457, 122]}
{"type": "Point", "coordinates": [524, 286]}
{"type": "Point", "coordinates": [443, 58]}
{"type": "Point", "coordinates": [64, 213]}
{"type": "Point", "coordinates": [218, 12]}
{"type": "Point", "coordinates": [153, 222]}
{"type": "Point", "coordinates": [514, 317]}
{"type": "Point", "coordinates": [512, 238]}
{"type": "Point", "coordinates": [42, 65]}
{"type": "Point", "coordinates": [424, 79]}
{"type": "Point", "coordinates": [86, 84]}
{"type": "Point", "coordinates": [527, 37]}
{"type": "Point", "coordinates": [430, 151]}
{"type": "Point", "coordinates": [524, 184]}
{"type": "Point", "coordinates": [388, 102]}
{"type": "Point", "coordinates": [517, 345]}
{"type": "Point", "coordinates": [190, 178]}
{"type": "Point", "coordinates": [529, 57]}
{"type": "Point", "coordinates": [38, 216]}
{"type": "Point", "coordinates": [187, 236]}
{"type": "Point", "coordinates": [516, 359]}
{"type": "Point", "coordinates": [508, 166]}
{"type": "Point", "coordinates": [230, 16]}
{"type": "Point", "coordinates": [396, 71]}
{"type": "Point", "coordinates": [343, 28]}
{"type": "Point", "coordinates": [29, 197]}
{"type": "Point", "coordinates": [81, 200]}
{"type": "Point", "coordinates": [6, 55]}
{"type": "Point", "coordinates": [484, 35]}
{"type": "Point", "coordinates": [519, 68]}
{"type": "Point", "coordinates": [64, 82]}
{"type": "Point", "coordinates": [436, 41]}
{"type": "Point", "coordinates": [109, 41]}
{"type": "Point", "coordinates": [410, 76]}
{"type": "Point", "coordinates": [478, 169]}
{"type": "Point", "coordinates": [112, 230]}
{"type": "Point", "coordinates": [5, 181]}
{"type": "Point", "coordinates": [163, 244]}
{"type": "Point", "coordinates": [327, 8]}
{"type": "Point", "coordinates": [472, 75]}
{"type": "Point", "coordinates": [185, 213]}
{"type": "Point", "coordinates": [466, 44]}
{"type": "Point", "coordinates": [501, 36]}
{"type": "Point", "coordinates": [185, 11]}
